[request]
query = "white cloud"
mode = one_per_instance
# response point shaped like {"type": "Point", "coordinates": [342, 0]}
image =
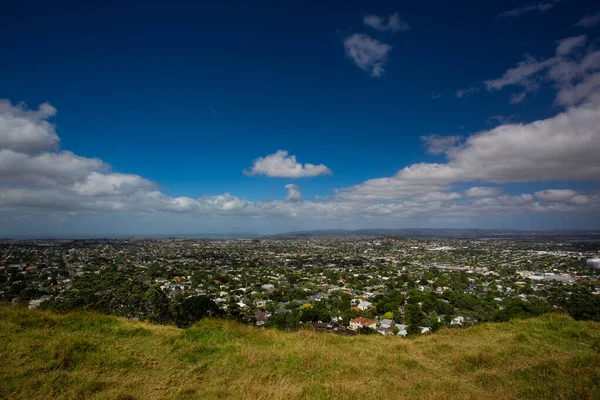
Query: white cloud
{"type": "Point", "coordinates": [368, 54]}
{"type": "Point", "coordinates": [568, 45]}
{"type": "Point", "coordinates": [437, 144]}
{"type": "Point", "coordinates": [536, 8]}
{"type": "Point", "coordinates": [555, 195]}
{"type": "Point", "coordinates": [572, 72]}
{"type": "Point", "coordinates": [115, 184]}
{"type": "Point", "coordinates": [565, 147]}
{"type": "Point", "coordinates": [24, 130]}
{"type": "Point", "coordinates": [393, 23]}
{"type": "Point", "coordinates": [589, 20]}
{"type": "Point", "coordinates": [282, 165]}
{"type": "Point", "coordinates": [435, 95]}
{"type": "Point", "coordinates": [483, 191]}
{"type": "Point", "coordinates": [47, 169]}
{"type": "Point", "coordinates": [573, 94]}
{"type": "Point", "coordinates": [293, 193]}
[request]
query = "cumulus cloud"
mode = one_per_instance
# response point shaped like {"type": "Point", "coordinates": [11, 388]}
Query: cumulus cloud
{"type": "Point", "coordinates": [282, 165]}
{"type": "Point", "coordinates": [24, 130]}
{"type": "Point", "coordinates": [573, 70]}
{"type": "Point", "coordinates": [562, 147]}
{"type": "Point", "coordinates": [368, 53]}
{"type": "Point", "coordinates": [115, 184]}
{"type": "Point", "coordinates": [437, 144]}
{"type": "Point", "coordinates": [536, 8]}
{"type": "Point", "coordinates": [393, 23]}
{"type": "Point", "coordinates": [483, 191]}
{"type": "Point", "coordinates": [589, 20]}
{"type": "Point", "coordinates": [293, 193]}
{"type": "Point", "coordinates": [554, 195]}
{"type": "Point", "coordinates": [37, 178]}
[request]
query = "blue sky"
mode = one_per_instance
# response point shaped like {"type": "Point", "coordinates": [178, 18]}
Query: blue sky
{"type": "Point", "coordinates": [178, 98]}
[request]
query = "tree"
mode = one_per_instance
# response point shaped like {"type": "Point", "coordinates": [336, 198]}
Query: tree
{"type": "Point", "coordinates": [388, 315]}
{"type": "Point", "coordinates": [156, 306]}
{"type": "Point", "coordinates": [413, 317]}
{"type": "Point", "coordinates": [188, 310]}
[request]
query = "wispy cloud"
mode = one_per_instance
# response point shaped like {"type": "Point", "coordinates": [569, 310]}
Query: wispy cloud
{"type": "Point", "coordinates": [437, 144]}
{"type": "Point", "coordinates": [368, 53]}
{"type": "Point", "coordinates": [393, 23]}
{"type": "Point", "coordinates": [460, 93]}
{"type": "Point", "coordinates": [574, 70]}
{"type": "Point", "coordinates": [537, 8]}
{"type": "Point", "coordinates": [589, 20]}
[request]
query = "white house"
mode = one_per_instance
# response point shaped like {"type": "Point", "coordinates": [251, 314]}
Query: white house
{"type": "Point", "coordinates": [364, 305]}
{"type": "Point", "coordinates": [458, 320]}
{"type": "Point", "coordinates": [361, 322]}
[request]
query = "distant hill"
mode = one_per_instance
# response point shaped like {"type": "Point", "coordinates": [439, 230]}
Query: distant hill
{"type": "Point", "coordinates": [442, 232]}
{"type": "Point", "coordinates": [89, 356]}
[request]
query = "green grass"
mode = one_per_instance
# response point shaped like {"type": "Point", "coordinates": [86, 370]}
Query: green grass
{"type": "Point", "coordinates": [90, 356]}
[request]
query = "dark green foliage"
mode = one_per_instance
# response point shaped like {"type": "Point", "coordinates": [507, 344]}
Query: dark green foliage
{"type": "Point", "coordinates": [187, 310]}
{"type": "Point", "coordinates": [365, 330]}
{"type": "Point", "coordinates": [123, 294]}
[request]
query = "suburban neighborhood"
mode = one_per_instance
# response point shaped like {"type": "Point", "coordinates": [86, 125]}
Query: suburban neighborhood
{"type": "Point", "coordinates": [380, 285]}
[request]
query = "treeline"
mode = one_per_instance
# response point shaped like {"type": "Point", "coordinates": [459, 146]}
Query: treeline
{"type": "Point", "coordinates": [123, 294]}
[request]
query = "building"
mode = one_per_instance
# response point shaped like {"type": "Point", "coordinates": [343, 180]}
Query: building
{"type": "Point", "coordinates": [386, 323]}
{"type": "Point", "coordinates": [261, 317]}
{"type": "Point", "coordinates": [361, 322]}
{"type": "Point", "coordinates": [593, 263]}
{"type": "Point", "coordinates": [364, 305]}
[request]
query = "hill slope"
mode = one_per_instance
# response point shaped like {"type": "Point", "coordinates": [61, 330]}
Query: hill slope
{"type": "Point", "coordinates": [84, 355]}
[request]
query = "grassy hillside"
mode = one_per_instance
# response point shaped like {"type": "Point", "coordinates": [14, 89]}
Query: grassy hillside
{"type": "Point", "coordinates": [84, 355]}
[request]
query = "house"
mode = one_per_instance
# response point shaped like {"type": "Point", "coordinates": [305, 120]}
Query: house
{"type": "Point", "coordinates": [262, 317]}
{"type": "Point", "coordinates": [402, 333]}
{"type": "Point", "coordinates": [361, 322]}
{"type": "Point", "coordinates": [318, 297]}
{"type": "Point", "coordinates": [386, 323]}
{"type": "Point", "coordinates": [458, 320]}
{"type": "Point", "coordinates": [269, 288]}
{"type": "Point", "coordinates": [260, 303]}
{"type": "Point", "coordinates": [364, 305]}
{"type": "Point", "coordinates": [385, 331]}
{"type": "Point", "coordinates": [425, 329]}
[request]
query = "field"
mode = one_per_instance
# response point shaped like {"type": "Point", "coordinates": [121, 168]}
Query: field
{"type": "Point", "coordinates": [84, 355]}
